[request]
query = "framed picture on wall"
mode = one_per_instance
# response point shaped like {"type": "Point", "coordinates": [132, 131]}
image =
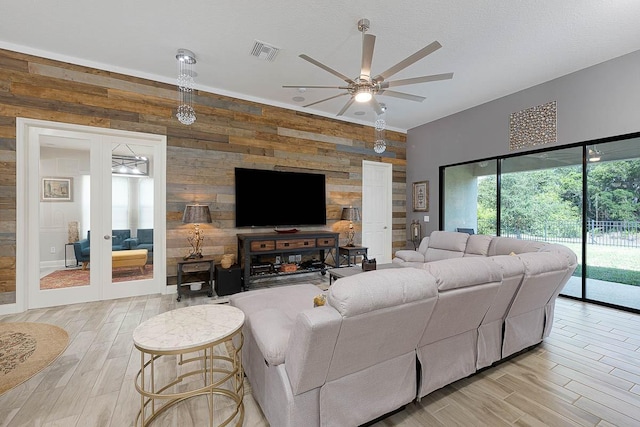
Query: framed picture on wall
{"type": "Point", "coordinates": [56, 190]}
{"type": "Point", "coordinates": [421, 196]}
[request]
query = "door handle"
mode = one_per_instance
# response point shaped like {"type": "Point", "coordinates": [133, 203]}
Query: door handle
{"type": "Point", "coordinates": [107, 237]}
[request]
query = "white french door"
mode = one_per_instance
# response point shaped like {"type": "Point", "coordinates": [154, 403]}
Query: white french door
{"type": "Point", "coordinates": [377, 215]}
{"type": "Point", "coordinates": [74, 199]}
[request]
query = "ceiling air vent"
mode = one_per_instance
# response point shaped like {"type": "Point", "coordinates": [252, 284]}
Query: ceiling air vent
{"type": "Point", "coordinates": [264, 51]}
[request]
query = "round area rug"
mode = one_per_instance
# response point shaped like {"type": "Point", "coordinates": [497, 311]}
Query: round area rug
{"type": "Point", "coordinates": [26, 349]}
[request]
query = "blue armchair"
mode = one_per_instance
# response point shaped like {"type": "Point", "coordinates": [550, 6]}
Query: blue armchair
{"type": "Point", "coordinates": [81, 250]}
{"type": "Point", "coordinates": [144, 240]}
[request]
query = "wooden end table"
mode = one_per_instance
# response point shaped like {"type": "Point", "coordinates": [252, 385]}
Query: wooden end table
{"type": "Point", "coordinates": [350, 251]}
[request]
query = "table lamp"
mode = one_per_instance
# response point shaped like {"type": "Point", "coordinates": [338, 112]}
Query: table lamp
{"type": "Point", "coordinates": [196, 214]}
{"type": "Point", "coordinates": [350, 214]}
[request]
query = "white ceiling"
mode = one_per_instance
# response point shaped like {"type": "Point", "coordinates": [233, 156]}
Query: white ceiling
{"type": "Point", "coordinates": [493, 47]}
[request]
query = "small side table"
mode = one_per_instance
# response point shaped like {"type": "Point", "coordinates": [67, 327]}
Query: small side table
{"type": "Point", "coordinates": [351, 251]}
{"type": "Point", "coordinates": [188, 336]}
{"type": "Point", "coordinates": [192, 267]}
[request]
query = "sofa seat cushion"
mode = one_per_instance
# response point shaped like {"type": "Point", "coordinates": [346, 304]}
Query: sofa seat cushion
{"type": "Point", "coordinates": [445, 245]}
{"type": "Point", "coordinates": [271, 329]}
{"type": "Point", "coordinates": [369, 291]}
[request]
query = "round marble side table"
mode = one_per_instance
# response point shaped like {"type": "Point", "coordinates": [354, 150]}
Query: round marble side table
{"type": "Point", "coordinates": [189, 336]}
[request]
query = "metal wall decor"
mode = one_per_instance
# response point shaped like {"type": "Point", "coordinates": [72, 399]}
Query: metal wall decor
{"type": "Point", "coordinates": [534, 126]}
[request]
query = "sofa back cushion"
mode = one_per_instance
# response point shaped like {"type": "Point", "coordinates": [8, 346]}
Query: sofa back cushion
{"type": "Point", "coordinates": [445, 245]}
{"type": "Point", "coordinates": [466, 289]}
{"type": "Point", "coordinates": [145, 235]}
{"type": "Point", "coordinates": [384, 313]}
{"type": "Point", "coordinates": [477, 245]}
{"type": "Point", "coordinates": [507, 245]}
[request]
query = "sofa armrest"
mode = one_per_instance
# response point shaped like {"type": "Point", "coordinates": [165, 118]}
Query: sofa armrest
{"type": "Point", "coordinates": [271, 329]}
{"type": "Point", "coordinates": [130, 243]}
{"type": "Point", "coordinates": [410, 256]}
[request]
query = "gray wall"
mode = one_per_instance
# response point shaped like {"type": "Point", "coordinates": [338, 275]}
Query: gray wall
{"type": "Point", "coordinates": [597, 102]}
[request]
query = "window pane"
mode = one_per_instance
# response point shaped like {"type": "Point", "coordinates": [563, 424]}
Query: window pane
{"type": "Point", "coordinates": [613, 223]}
{"type": "Point", "coordinates": [541, 199]}
{"type": "Point", "coordinates": [470, 197]}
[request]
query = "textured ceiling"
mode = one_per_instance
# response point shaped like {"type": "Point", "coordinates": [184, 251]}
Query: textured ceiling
{"type": "Point", "coordinates": [494, 48]}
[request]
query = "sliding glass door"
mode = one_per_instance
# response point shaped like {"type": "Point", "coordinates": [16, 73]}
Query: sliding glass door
{"type": "Point", "coordinates": [584, 196]}
{"type": "Point", "coordinates": [541, 199]}
{"type": "Point", "coordinates": [613, 223]}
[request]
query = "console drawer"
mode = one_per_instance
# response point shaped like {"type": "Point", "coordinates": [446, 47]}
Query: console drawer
{"type": "Point", "coordinates": [263, 245]}
{"type": "Point", "coordinates": [325, 242]}
{"type": "Point", "coordinates": [296, 244]}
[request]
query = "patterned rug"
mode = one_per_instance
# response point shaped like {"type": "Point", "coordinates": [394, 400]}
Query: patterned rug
{"type": "Point", "coordinates": [26, 349]}
{"type": "Point", "coordinates": [68, 278]}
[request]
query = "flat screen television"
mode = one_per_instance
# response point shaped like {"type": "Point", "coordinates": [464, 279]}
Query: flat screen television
{"type": "Point", "coordinates": [267, 198]}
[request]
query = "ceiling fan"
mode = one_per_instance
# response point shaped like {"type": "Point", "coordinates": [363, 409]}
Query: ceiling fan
{"type": "Point", "coordinates": [364, 87]}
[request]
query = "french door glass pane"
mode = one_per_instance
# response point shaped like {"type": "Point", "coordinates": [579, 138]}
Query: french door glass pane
{"type": "Point", "coordinates": [131, 212]}
{"type": "Point", "coordinates": [64, 248]}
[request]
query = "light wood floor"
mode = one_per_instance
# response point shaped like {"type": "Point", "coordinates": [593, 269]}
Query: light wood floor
{"type": "Point", "coordinates": [587, 373]}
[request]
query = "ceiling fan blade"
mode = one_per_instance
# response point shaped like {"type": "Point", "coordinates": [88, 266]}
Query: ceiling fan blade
{"type": "Point", "coordinates": [315, 87]}
{"type": "Point", "coordinates": [368, 43]}
{"type": "Point", "coordinates": [408, 61]}
{"type": "Point", "coordinates": [376, 106]}
{"type": "Point", "coordinates": [402, 95]}
{"type": "Point", "coordinates": [412, 81]}
{"type": "Point", "coordinates": [346, 106]}
{"type": "Point", "coordinates": [324, 67]}
{"type": "Point", "coordinates": [326, 99]}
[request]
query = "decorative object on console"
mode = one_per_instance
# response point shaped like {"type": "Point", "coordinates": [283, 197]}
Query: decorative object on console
{"type": "Point", "coordinates": [185, 112]}
{"type": "Point", "coordinates": [227, 260]}
{"type": "Point", "coordinates": [196, 215]}
{"type": "Point", "coordinates": [368, 264]}
{"type": "Point", "coordinates": [421, 196]}
{"type": "Point", "coordinates": [350, 214]}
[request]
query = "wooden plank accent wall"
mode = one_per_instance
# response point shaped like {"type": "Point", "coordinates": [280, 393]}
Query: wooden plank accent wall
{"type": "Point", "coordinates": [200, 158]}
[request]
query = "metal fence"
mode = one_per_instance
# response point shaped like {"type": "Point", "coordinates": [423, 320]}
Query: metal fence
{"type": "Point", "coordinates": [605, 233]}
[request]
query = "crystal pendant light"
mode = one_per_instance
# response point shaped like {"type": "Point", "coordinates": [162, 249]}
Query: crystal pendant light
{"type": "Point", "coordinates": [379, 146]}
{"type": "Point", "coordinates": [185, 112]}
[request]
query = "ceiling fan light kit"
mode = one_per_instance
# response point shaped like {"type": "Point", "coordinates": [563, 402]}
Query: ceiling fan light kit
{"type": "Point", "coordinates": [364, 88]}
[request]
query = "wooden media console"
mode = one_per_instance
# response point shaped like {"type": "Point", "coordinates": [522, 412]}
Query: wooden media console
{"type": "Point", "coordinates": [256, 252]}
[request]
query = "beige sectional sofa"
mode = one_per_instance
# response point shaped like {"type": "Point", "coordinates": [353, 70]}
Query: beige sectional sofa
{"type": "Point", "coordinates": [389, 336]}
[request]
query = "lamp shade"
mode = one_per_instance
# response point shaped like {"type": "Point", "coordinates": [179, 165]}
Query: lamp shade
{"type": "Point", "coordinates": [196, 214]}
{"type": "Point", "coordinates": [350, 214]}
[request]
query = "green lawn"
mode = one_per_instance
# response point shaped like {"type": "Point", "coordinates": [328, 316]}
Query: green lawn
{"type": "Point", "coordinates": [610, 263]}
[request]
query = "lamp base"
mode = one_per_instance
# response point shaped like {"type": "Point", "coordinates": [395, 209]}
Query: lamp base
{"type": "Point", "coordinates": [192, 256]}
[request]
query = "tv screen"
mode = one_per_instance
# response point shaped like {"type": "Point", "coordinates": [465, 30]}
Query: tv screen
{"type": "Point", "coordinates": [266, 198]}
